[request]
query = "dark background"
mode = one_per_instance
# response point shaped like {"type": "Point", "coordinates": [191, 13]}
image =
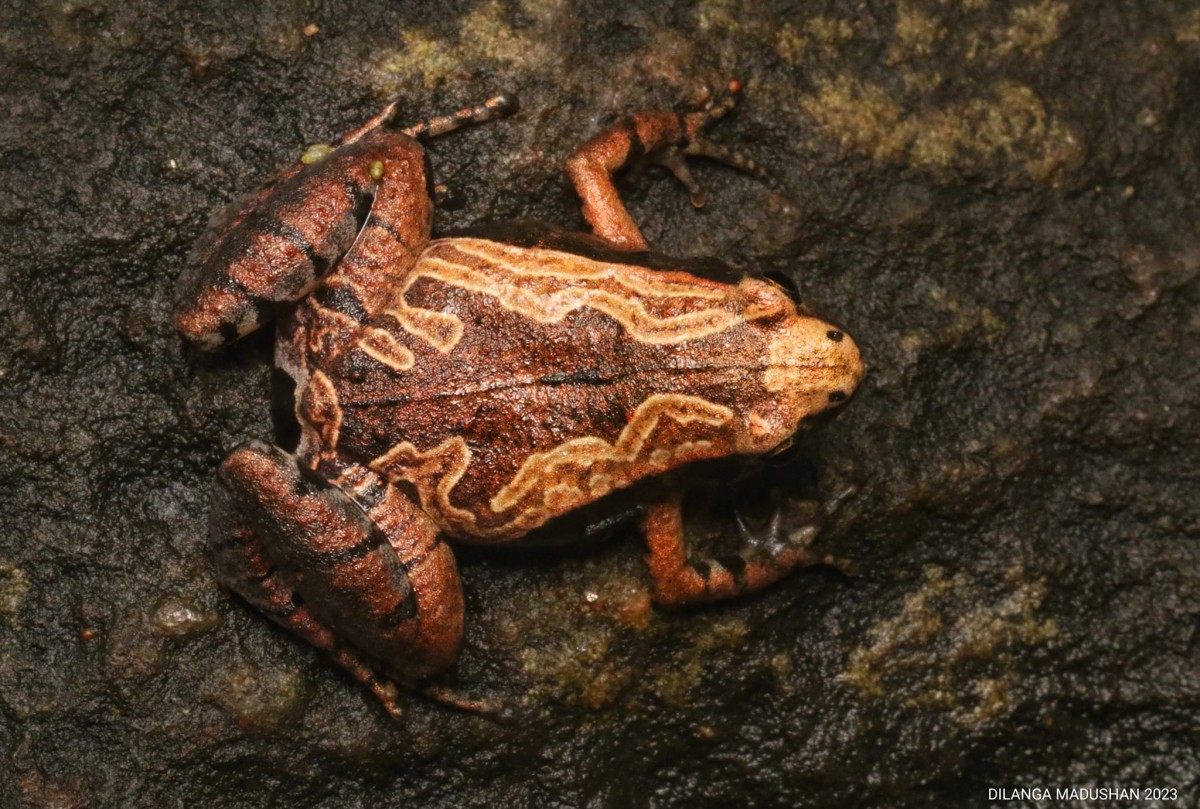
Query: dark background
{"type": "Point", "coordinates": [998, 200]}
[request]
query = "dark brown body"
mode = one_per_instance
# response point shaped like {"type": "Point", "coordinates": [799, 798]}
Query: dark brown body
{"type": "Point", "coordinates": [474, 389]}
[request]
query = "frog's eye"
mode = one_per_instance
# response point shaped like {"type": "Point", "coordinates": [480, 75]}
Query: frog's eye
{"type": "Point", "coordinates": [837, 395]}
{"type": "Point", "coordinates": [835, 335]}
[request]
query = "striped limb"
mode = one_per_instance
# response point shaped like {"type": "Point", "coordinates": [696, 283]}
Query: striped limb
{"type": "Point", "coordinates": [277, 245]}
{"type": "Point", "coordinates": [763, 559]}
{"type": "Point", "coordinates": [665, 138]}
{"type": "Point", "coordinates": [355, 569]}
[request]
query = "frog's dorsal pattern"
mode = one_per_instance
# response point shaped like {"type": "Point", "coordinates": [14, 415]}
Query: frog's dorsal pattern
{"type": "Point", "coordinates": [572, 474]}
{"type": "Point", "coordinates": [547, 285]}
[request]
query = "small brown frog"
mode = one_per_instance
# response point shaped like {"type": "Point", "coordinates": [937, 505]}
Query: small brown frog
{"type": "Point", "coordinates": [513, 383]}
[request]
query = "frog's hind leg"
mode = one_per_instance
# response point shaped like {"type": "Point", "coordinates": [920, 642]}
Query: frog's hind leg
{"type": "Point", "coordinates": [276, 246]}
{"type": "Point", "coordinates": [400, 218]}
{"type": "Point", "coordinates": [279, 244]}
{"type": "Point", "coordinates": [304, 552]}
{"type": "Point", "coordinates": [678, 581]}
{"type": "Point", "coordinates": [665, 138]}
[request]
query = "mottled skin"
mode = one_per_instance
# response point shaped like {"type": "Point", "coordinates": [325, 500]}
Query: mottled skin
{"type": "Point", "coordinates": [476, 388]}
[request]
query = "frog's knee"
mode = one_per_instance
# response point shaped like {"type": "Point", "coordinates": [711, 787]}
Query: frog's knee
{"type": "Point", "coordinates": [264, 469]}
{"type": "Point", "coordinates": [212, 317]}
{"type": "Point", "coordinates": [241, 275]}
{"type": "Point", "coordinates": [303, 519]}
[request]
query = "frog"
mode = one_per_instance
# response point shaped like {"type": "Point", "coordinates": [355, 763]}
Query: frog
{"type": "Point", "coordinates": [499, 386]}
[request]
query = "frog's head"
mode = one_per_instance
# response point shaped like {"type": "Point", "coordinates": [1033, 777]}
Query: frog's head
{"type": "Point", "coordinates": [808, 366]}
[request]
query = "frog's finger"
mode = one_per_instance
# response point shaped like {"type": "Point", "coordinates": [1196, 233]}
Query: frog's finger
{"type": "Point", "coordinates": [703, 147]}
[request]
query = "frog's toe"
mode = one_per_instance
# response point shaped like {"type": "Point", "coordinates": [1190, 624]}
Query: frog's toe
{"type": "Point", "coordinates": [792, 547]}
{"type": "Point", "coordinates": [697, 144]}
{"type": "Point", "coordinates": [488, 707]}
{"type": "Point", "coordinates": [673, 161]}
{"type": "Point", "coordinates": [771, 540]}
{"type": "Point", "coordinates": [700, 146]}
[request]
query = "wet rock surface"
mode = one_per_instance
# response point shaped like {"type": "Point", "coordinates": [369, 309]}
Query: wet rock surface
{"type": "Point", "coordinates": [998, 200]}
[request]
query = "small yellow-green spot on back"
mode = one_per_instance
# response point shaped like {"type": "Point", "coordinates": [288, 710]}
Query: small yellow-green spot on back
{"type": "Point", "coordinates": [376, 169]}
{"type": "Point", "coordinates": [316, 153]}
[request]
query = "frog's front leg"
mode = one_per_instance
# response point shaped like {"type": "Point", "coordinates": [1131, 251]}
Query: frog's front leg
{"type": "Point", "coordinates": [355, 569]}
{"type": "Point", "coordinates": [678, 581]}
{"type": "Point", "coordinates": [665, 138]}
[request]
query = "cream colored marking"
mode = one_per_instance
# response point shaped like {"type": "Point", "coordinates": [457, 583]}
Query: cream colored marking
{"type": "Point", "coordinates": [600, 484]}
{"type": "Point", "coordinates": [569, 266]}
{"type": "Point", "coordinates": [434, 472]}
{"type": "Point", "coordinates": [763, 311]}
{"type": "Point", "coordinates": [781, 379]}
{"type": "Point", "coordinates": [440, 329]}
{"type": "Point", "coordinates": [759, 425]}
{"type": "Point", "coordinates": [326, 326]}
{"type": "Point", "coordinates": [437, 471]}
{"type": "Point", "coordinates": [563, 497]}
{"type": "Point", "coordinates": [547, 285]}
{"type": "Point", "coordinates": [380, 345]}
{"type": "Point", "coordinates": [541, 468]}
{"type": "Point", "coordinates": [320, 413]}
{"type": "Point", "coordinates": [690, 449]}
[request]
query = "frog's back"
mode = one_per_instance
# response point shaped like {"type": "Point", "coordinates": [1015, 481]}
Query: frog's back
{"type": "Point", "coordinates": [511, 383]}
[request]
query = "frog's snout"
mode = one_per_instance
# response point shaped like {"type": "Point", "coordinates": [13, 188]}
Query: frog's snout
{"type": "Point", "coordinates": [845, 365]}
{"type": "Point", "coordinates": [813, 361]}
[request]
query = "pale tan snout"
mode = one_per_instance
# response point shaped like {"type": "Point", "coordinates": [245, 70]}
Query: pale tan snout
{"type": "Point", "coordinates": [811, 366]}
{"type": "Point", "coordinates": [809, 357]}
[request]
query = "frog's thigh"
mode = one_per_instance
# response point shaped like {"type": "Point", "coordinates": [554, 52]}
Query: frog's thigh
{"type": "Point", "coordinates": [679, 581]}
{"type": "Point", "coordinates": [284, 242]}
{"type": "Point", "coordinates": [301, 550]}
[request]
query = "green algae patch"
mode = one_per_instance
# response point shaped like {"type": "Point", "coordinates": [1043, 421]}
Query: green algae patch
{"type": "Point", "coordinates": [954, 646]}
{"type": "Point", "coordinates": [14, 585]}
{"type": "Point", "coordinates": [675, 681]}
{"type": "Point", "coordinates": [816, 38]}
{"type": "Point", "coordinates": [260, 699]}
{"type": "Point", "coordinates": [485, 36]}
{"type": "Point", "coordinates": [950, 101]}
{"type": "Point", "coordinates": [1008, 123]}
{"type": "Point", "coordinates": [1032, 28]}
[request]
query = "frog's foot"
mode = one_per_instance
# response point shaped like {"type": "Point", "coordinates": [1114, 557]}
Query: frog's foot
{"type": "Point", "coordinates": [243, 564]}
{"type": "Point", "coordinates": [665, 138]}
{"type": "Point", "coordinates": [317, 562]}
{"type": "Point", "coordinates": [764, 559]}
{"type": "Point", "coordinates": [774, 543]}
{"type": "Point", "coordinates": [674, 157]}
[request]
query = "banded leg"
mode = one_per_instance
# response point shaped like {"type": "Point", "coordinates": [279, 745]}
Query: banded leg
{"type": "Point", "coordinates": [278, 244]}
{"type": "Point", "coordinates": [302, 551]}
{"type": "Point", "coordinates": [678, 581]}
{"type": "Point", "coordinates": [495, 107]}
{"type": "Point", "coordinates": [665, 138]}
